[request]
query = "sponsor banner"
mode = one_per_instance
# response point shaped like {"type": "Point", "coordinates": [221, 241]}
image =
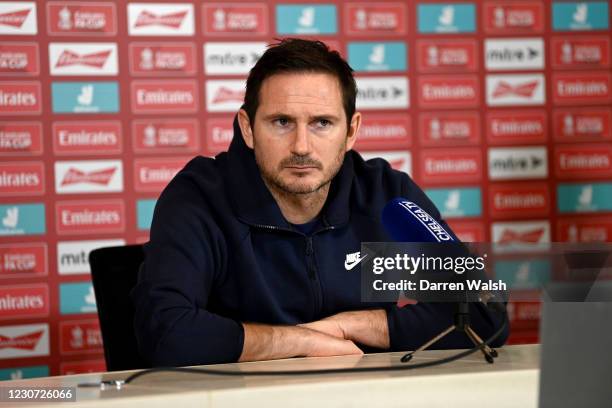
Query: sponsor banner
{"type": "Point", "coordinates": [456, 55]}
{"type": "Point", "coordinates": [522, 236]}
{"type": "Point", "coordinates": [24, 301]}
{"type": "Point", "coordinates": [144, 213]}
{"type": "Point", "coordinates": [446, 18]}
{"type": "Point", "coordinates": [23, 260]}
{"type": "Point", "coordinates": [507, 163]}
{"type": "Point", "coordinates": [224, 95]}
{"type": "Point", "coordinates": [518, 89]}
{"type": "Point", "coordinates": [383, 93]}
{"type": "Point", "coordinates": [580, 52]}
{"type": "Point", "coordinates": [517, 126]}
{"type": "Point", "coordinates": [90, 137]}
{"type": "Point", "coordinates": [525, 314]}
{"type": "Point", "coordinates": [456, 202]}
{"type": "Point", "coordinates": [468, 231]}
{"type": "Point", "coordinates": [160, 19]}
{"type": "Point", "coordinates": [384, 131]}
{"type": "Point", "coordinates": [449, 128]}
{"type": "Point", "coordinates": [580, 16]}
{"type": "Point", "coordinates": [20, 98]}
{"type": "Point", "coordinates": [517, 200]}
{"type": "Point", "coordinates": [159, 59]}
{"type": "Point", "coordinates": [92, 59]}
{"type": "Point", "coordinates": [462, 165]}
{"type": "Point", "coordinates": [89, 176]}
{"type": "Point", "coordinates": [22, 178]}
{"type": "Point", "coordinates": [531, 274]}
{"type": "Point", "coordinates": [400, 161]}
{"type": "Point", "coordinates": [73, 256]}
{"type": "Point", "coordinates": [77, 298]}
{"type": "Point", "coordinates": [28, 340]}
{"type": "Point", "coordinates": [591, 87]}
{"type": "Point", "coordinates": [167, 96]}
{"type": "Point", "coordinates": [243, 19]}
{"type": "Point", "coordinates": [219, 135]}
{"type": "Point", "coordinates": [166, 136]}
{"type": "Point", "coordinates": [82, 367]}
{"type": "Point", "coordinates": [152, 175]}
{"type": "Point", "coordinates": [585, 229]}
{"type": "Point", "coordinates": [76, 18]}
{"type": "Point", "coordinates": [583, 161]}
{"type": "Point", "coordinates": [513, 17]}
{"type": "Point", "coordinates": [446, 91]}
{"type": "Point", "coordinates": [514, 54]}
{"type": "Point", "coordinates": [19, 373]}
{"type": "Point", "coordinates": [80, 337]}
{"type": "Point", "coordinates": [578, 125]}
{"type": "Point", "coordinates": [230, 58]}
{"type": "Point", "coordinates": [87, 217]}
{"type": "Point", "coordinates": [584, 197]}
{"type": "Point", "coordinates": [306, 19]}
{"type": "Point", "coordinates": [18, 18]}
{"type": "Point", "coordinates": [19, 58]}
{"type": "Point", "coordinates": [21, 139]}
{"type": "Point", "coordinates": [85, 97]}
{"type": "Point", "coordinates": [375, 19]}
{"type": "Point", "coordinates": [377, 56]}
{"type": "Point", "coordinates": [22, 219]}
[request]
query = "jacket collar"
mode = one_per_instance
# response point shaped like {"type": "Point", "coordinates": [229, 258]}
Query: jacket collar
{"type": "Point", "coordinates": [254, 204]}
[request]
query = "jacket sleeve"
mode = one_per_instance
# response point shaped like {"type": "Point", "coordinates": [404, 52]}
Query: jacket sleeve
{"type": "Point", "coordinates": [172, 324]}
{"type": "Point", "coordinates": [411, 326]}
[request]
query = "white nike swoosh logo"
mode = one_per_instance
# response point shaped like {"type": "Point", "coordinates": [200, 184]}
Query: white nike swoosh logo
{"type": "Point", "coordinates": [349, 266]}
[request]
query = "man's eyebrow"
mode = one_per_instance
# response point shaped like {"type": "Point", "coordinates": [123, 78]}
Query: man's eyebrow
{"type": "Point", "coordinates": [326, 116]}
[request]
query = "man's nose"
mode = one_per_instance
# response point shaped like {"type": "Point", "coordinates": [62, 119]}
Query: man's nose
{"type": "Point", "coordinates": [301, 142]}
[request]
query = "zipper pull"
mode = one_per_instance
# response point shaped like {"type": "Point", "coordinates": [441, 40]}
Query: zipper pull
{"type": "Point", "coordinates": [309, 250]}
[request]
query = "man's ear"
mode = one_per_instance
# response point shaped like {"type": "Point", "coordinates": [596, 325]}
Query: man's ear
{"type": "Point", "coordinates": [352, 131]}
{"type": "Point", "coordinates": [245, 127]}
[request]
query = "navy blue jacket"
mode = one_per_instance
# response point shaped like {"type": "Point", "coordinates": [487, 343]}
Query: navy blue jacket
{"type": "Point", "coordinates": [221, 253]}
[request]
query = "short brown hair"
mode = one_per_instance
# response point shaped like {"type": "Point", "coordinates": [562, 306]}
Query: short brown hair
{"type": "Point", "coordinates": [295, 55]}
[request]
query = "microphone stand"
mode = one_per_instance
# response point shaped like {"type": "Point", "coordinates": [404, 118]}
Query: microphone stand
{"type": "Point", "coordinates": [461, 324]}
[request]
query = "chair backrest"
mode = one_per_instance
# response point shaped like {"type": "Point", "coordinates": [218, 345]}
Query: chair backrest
{"type": "Point", "coordinates": [114, 273]}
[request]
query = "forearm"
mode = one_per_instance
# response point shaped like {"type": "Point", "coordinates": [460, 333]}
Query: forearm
{"type": "Point", "coordinates": [367, 327]}
{"type": "Point", "coordinates": [267, 342]}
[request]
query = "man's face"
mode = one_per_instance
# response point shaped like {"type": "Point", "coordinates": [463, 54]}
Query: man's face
{"type": "Point", "coordinates": [300, 134]}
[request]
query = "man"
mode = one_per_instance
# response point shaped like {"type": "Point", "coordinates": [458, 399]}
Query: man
{"type": "Point", "coordinates": [246, 258]}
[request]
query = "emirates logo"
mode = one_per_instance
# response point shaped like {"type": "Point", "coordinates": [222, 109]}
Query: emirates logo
{"type": "Point", "coordinates": [174, 20]}
{"type": "Point", "coordinates": [525, 90]}
{"type": "Point", "coordinates": [95, 60]}
{"type": "Point", "coordinates": [14, 18]}
{"type": "Point", "coordinates": [24, 342]}
{"type": "Point", "coordinates": [101, 177]}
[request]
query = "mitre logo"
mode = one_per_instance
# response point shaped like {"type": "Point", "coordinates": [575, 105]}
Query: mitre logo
{"type": "Point", "coordinates": [517, 162]}
{"type": "Point", "coordinates": [507, 90]}
{"type": "Point", "coordinates": [161, 19]}
{"type": "Point", "coordinates": [514, 54]}
{"type": "Point", "coordinates": [382, 92]}
{"type": "Point", "coordinates": [375, 19]}
{"type": "Point", "coordinates": [18, 18]}
{"type": "Point", "coordinates": [93, 176]}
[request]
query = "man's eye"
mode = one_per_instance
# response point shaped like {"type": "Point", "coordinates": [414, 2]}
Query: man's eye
{"type": "Point", "coordinates": [281, 122]}
{"type": "Point", "coordinates": [324, 123]}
